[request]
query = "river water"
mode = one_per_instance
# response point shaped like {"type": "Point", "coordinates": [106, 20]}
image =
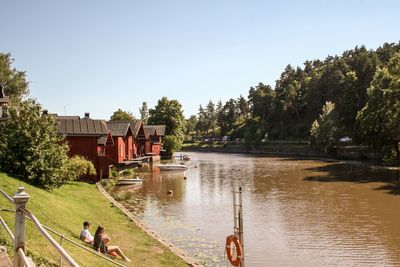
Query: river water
{"type": "Point", "coordinates": [296, 212]}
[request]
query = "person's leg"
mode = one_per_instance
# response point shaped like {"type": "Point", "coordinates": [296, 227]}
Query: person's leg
{"type": "Point", "coordinates": [116, 249]}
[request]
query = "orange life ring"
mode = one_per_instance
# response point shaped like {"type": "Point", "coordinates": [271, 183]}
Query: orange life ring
{"type": "Point", "coordinates": [238, 248]}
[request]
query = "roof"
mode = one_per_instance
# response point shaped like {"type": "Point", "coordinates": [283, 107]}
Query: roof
{"type": "Point", "coordinates": [154, 129]}
{"type": "Point", "coordinates": [118, 128]}
{"type": "Point", "coordinates": [105, 140]}
{"type": "Point", "coordinates": [82, 127]}
{"type": "Point", "coordinates": [135, 126]}
{"type": "Point", "coordinates": [65, 117]}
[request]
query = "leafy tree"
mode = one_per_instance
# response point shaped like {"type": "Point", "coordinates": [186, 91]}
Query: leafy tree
{"type": "Point", "coordinates": [14, 81]}
{"type": "Point", "coordinates": [169, 113]}
{"type": "Point", "coordinates": [31, 149]}
{"type": "Point", "coordinates": [379, 119]}
{"type": "Point", "coordinates": [121, 115]}
{"type": "Point", "coordinates": [191, 126]}
{"type": "Point", "coordinates": [144, 112]}
{"type": "Point", "coordinates": [323, 131]}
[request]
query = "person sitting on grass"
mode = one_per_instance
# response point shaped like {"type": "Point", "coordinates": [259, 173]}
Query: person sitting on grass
{"type": "Point", "coordinates": [85, 234]}
{"type": "Point", "coordinates": [100, 241]}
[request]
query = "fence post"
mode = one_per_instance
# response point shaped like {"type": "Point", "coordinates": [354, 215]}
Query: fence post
{"type": "Point", "coordinates": [20, 200]}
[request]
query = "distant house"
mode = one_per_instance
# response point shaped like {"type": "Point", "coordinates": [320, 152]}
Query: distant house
{"type": "Point", "coordinates": [153, 135]}
{"type": "Point", "coordinates": [122, 134]}
{"type": "Point", "coordinates": [88, 138]}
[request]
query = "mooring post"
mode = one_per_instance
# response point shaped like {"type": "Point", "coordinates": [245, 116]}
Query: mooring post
{"type": "Point", "coordinates": [20, 200]}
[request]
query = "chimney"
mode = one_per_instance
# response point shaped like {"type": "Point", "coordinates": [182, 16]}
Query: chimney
{"type": "Point", "coordinates": [87, 115]}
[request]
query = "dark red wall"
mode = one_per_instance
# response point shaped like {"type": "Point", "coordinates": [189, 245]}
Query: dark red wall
{"type": "Point", "coordinates": [85, 146]}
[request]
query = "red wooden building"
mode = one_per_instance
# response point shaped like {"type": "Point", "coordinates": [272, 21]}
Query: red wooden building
{"type": "Point", "coordinates": [122, 134]}
{"type": "Point", "coordinates": [88, 138]}
{"type": "Point", "coordinates": [153, 135]}
{"type": "Point", "coordinates": [139, 139]}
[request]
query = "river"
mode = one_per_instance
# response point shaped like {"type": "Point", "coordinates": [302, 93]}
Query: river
{"type": "Point", "coordinates": [296, 212]}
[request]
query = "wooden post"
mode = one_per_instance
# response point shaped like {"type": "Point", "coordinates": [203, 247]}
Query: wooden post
{"type": "Point", "coordinates": [20, 200]}
{"type": "Point", "coordinates": [61, 258]}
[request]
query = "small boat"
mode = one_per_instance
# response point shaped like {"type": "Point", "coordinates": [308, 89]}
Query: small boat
{"type": "Point", "coordinates": [172, 167]}
{"type": "Point", "coordinates": [128, 181]}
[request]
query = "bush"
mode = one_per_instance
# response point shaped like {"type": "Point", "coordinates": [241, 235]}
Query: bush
{"type": "Point", "coordinates": [79, 166]}
{"type": "Point", "coordinates": [114, 173]}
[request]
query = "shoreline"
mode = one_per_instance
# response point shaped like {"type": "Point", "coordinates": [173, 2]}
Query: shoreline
{"type": "Point", "coordinates": [174, 249]}
{"type": "Point", "coordinates": [310, 155]}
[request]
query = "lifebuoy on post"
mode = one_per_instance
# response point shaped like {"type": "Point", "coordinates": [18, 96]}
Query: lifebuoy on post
{"type": "Point", "coordinates": [238, 247]}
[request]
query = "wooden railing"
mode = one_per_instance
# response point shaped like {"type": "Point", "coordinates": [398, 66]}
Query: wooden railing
{"type": "Point", "coordinates": [19, 200]}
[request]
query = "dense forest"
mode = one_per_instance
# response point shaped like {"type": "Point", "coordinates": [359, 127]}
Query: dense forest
{"type": "Point", "coordinates": [354, 95]}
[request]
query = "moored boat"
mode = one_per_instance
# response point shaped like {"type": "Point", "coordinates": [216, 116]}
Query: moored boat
{"type": "Point", "coordinates": [129, 181]}
{"type": "Point", "coordinates": [172, 167]}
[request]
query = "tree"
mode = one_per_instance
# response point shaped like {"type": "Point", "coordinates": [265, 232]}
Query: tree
{"type": "Point", "coordinates": [211, 117]}
{"type": "Point", "coordinates": [31, 149]}
{"type": "Point", "coordinates": [379, 119]}
{"type": "Point", "coordinates": [144, 112]}
{"type": "Point", "coordinates": [323, 131]}
{"type": "Point", "coordinates": [191, 126]}
{"type": "Point", "coordinates": [169, 113]}
{"type": "Point", "coordinates": [14, 81]}
{"type": "Point", "coordinates": [228, 117]}
{"type": "Point", "coordinates": [121, 115]}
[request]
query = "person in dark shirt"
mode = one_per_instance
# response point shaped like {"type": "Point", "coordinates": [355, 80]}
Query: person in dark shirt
{"type": "Point", "coordinates": [101, 240]}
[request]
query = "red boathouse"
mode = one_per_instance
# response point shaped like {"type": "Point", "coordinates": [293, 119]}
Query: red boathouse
{"type": "Point", "coordinates": [88, 138]}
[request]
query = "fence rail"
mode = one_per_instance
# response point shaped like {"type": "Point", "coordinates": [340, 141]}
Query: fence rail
{"type": "Point", "coordinates": [19, 200]}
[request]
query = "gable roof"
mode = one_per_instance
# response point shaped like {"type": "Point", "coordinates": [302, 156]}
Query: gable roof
{"type": "Point", "coordinates": [105, 140]}
{"type": "Point", "coordinates": [154, 129]}
{"type": "Point", "coordinates": [119, 128]}
{"type": "Point", "coordinates": [82, 127]}
{"type": "Point", "coordinates": [135, 126]}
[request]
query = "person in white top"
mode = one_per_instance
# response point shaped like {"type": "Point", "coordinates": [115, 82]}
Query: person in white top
{"type": "Point", "coordinates": [85, 234]}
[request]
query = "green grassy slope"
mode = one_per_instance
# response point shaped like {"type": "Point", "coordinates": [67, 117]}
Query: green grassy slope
{"type": "Point", "coordinates": [65, 209]}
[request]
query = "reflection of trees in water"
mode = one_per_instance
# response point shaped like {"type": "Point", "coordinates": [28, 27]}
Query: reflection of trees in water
{"type": "Point", "coordinates": [345, 172]}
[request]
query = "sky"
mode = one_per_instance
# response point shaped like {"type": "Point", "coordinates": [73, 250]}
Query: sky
{"type": "Point", "coordinates": [99, 56]}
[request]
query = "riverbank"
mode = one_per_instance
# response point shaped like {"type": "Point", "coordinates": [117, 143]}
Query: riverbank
{"type": "Point", "coordinates": [284, 149]}
{"type": "Point", "coordinates": [64, 211]}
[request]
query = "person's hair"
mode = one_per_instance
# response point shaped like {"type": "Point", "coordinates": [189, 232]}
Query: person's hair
{"type": "Point", "coordinates": [99, 230]}
{"type": "Point", "coordinates": [86, 223]}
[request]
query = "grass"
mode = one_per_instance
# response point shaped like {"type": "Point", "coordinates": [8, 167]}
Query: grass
{"type": "Point", "coordinates": [64, 210]}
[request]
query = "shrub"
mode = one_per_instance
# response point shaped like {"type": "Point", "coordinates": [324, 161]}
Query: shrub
{"type": "Point", "coordinates": [79, 166]}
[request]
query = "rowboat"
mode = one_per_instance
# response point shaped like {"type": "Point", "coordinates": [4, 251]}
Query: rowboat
{"type": "Point", "coordinates": [128, 181]}
{"type": "Point", "coordinates": [172, 167]}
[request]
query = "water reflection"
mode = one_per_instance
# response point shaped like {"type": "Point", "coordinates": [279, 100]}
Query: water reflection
{"type": "Point", "coordinates": [297, 212]}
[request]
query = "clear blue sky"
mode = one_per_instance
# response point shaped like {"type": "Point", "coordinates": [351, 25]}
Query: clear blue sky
{"type": "Point", "coordinates": [98, 56]}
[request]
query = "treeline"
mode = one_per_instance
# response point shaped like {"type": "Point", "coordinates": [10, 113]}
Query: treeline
{"type": "Point", "coordinates": [356, 94]}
